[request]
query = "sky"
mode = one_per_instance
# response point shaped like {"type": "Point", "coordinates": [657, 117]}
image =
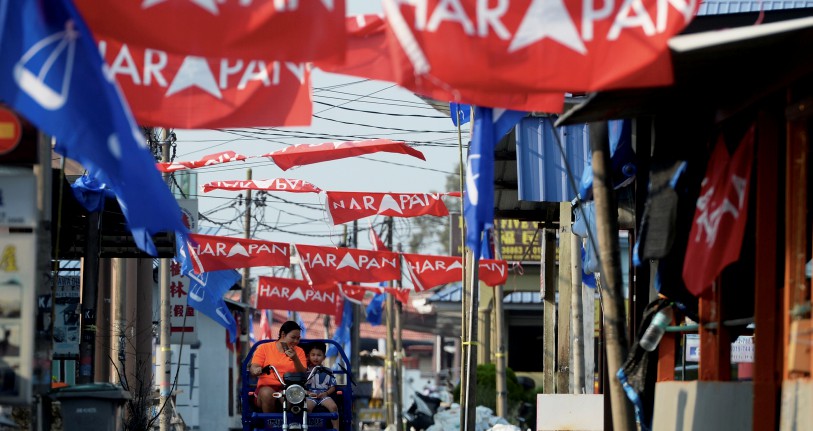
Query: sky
{"type": "Point", "coordinates": [345, 108]}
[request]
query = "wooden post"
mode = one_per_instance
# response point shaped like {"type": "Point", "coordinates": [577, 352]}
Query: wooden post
{"type": "Point", "coordinates": [796, 235]}
{"type": "Point", "coordinates": [612, 299]}
{"type": "Point", "coordinates": [548, 281]}
{"type": "Point", "coordinates": [767, 334]}
{"type": "Point", "coordinates": [577, 322]}
{"type": "Point", "coordinates": [715, 341]}
{"type": "Point", "coordinates": [564, 285]}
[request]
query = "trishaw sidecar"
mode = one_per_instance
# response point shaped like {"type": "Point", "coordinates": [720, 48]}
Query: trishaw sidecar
{"type": "Point", "coordinates": [254, 419]}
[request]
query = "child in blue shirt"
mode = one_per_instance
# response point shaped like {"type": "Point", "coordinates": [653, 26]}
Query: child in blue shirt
{"type": "Point", "coordinates": [322, 384]}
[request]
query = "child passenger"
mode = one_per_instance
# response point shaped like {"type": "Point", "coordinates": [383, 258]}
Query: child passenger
{"type": "Point", "coordinates": [322, 384]}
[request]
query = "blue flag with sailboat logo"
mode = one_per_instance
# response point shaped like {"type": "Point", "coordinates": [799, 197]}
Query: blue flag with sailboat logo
{"type": "Point", "coordinates": [490, 125]}
{"type": "Point", "coordinates": [52, 73]}
{"type": "Point", "coordinates": [206, 292]}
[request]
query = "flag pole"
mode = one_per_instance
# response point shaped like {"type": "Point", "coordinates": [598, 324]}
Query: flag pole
{"type": "Point", "coordinates": [611, 298]}
{"type": "Point", "coordinates": [390, 342]}
{"type": "Point", "coordinates": [461, 183]}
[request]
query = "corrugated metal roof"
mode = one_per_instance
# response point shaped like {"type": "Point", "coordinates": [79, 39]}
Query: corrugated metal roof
{"type": "Point", "coordinates": [722, 7]}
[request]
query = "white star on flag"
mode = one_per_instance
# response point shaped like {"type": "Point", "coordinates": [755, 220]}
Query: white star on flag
{"type": "Point", "coordinates": [347, 260]}
{"type": "Point", "coordinates": [194, 71]}
{"type": "Point", "coordinates": [547, 18]}
{"type": "Point", "coordinates": [208, 5]}
{"type": "Point", "coordinates": [238, 249]}
{"type": "Point", "coordinates": [389, 203]}
{"type": "Point", "coordinates": [297, 295]}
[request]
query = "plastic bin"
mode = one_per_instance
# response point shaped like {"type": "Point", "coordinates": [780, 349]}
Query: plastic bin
{"type": "Point", "coordinates": [93, 406]}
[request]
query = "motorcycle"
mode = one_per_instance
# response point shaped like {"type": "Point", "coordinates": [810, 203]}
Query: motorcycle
{"type": "Point", "coordinates": [292, 398]}
{"type": "Point", "coordinates": [421, 414]}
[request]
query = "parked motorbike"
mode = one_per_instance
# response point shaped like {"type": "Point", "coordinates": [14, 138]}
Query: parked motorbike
{"type": "Point", "coordinates": [421, 414]}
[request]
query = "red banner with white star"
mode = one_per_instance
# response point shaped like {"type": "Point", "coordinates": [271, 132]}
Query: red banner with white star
{"type": "Point", "coordinates": [537, 45]}
{"type": "Point", "coordinates": [292, 30]}
{"type": "Point", "coordinates": [721, 214]}
{"type": "Point", "coordinates": [213, 253]}
{"type": "Point", "coordinates": [341, 265]}
{"type": "Point", "coordinates": [209, 160]}
{"type": "Point", "coordinates": [428, 271]}
{"type": "Point", "coordinates": [186, 91]}
{"type": "Point", "coordinates": [348, 206]}
{"type": "Point", "coordinates": [371, 55]}
{"type": "Point", "coordinates": [275, 293]}
{"type": "Point", "coordinates": [306, 154]}
{"type": "Point", "coordinates": [275, 184]}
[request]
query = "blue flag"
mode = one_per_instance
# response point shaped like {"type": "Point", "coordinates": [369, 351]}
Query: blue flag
{"type": "Point", "coordinates": [51, 72]}
{"type": "Point", "coordinates": [206, 295]}
{"type": "Point", "coordinates": [375, 309]}
{"type": "Point", "coordinates": [342, 334]}
{"type": "Point", "coordinates": [461, 112]}
{"type": "Point", "coordinates": [490, 125]}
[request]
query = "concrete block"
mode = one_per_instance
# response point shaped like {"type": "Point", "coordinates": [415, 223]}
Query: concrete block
{"type": "Point", "coordinates": [703, 406]}
{"type": "Point", "coordinates": [796, 411]}
{"type": "Point", "coordinates": [569, 412]}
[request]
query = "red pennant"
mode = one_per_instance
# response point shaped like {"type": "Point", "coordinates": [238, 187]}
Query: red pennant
{"type": "Point", "coordinates": [211, 159]}
{"type": "Point", "coordinates": [306, 154]}
{"type": "Point", "coordinates": [538, 45]}
{"type": "Point", "coordinates": [348, 206]}
{"type": "Point", "coordinates": [719, 219]}
{"type": "Point", "coordinates": [339, 265]}
{"type": "Point", "coordinates": [276, 184]}
{"type": "Point", "coordinates": [294, 30]}
{"type": "Point", "coordinates": [213, 253]}
{"type": "Point", "coordinates": [297, 295]}
{"type": "Point", "coordinates": [427, 271]}
{"type": "Point", "coordinates": [178, 90]}
{"type": "Point", "coordinates": [375, 240]}
{"type": "Point", "coordinates": [370, 55]}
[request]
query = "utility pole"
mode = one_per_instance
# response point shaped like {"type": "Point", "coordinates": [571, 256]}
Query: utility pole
{"type": "Point", "coordinates": [399, 359]}
{"type": "Point", "coordinates": [463, 339]}
{"type": "Point", "coordinates": [611, 298]}
{"type": "Point", "coordinates": [245, 295]}
{"type": "Point", "coordinates": [355, 332]}
{"type": "Point", "coordinates": [165, 355]}
{"type": "Point", "coordinates": [389, 362]}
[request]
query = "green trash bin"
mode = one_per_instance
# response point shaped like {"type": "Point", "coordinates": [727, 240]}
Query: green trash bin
{"type": "Point", "coordinates": [93, 406]}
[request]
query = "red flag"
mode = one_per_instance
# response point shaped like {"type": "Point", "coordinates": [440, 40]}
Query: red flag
{"type": "Point", "coordinates": [402, 295]}
{"type": "Point", "coordinates": [538, 45]}
{"type": "Point", "coordinates": [719, 219]}
{"type": "Point", "coordinates": [428, 271]}
{"type": "Point", "coordinates": [294, 30]}
{"type": "Point", "coordinates": [370, 55]}
{"type": "Point", "coordinates": [348, 206]}
{"type": "Point", "coordinates": [337, 265]}
{"type": "Point", "coordinates": [276, 184]}
{"type": "Point", "coordinates": [187, 91]}
{"type": "Point", "coordinates": [265, 326]}
{"type": "Point", "coordinates": [213, 253]}
{"type": "Point", "coordinates": [493, 272]}
{"type": "Point", "coordinates": [211, 159]}
{"type": "Point", "coordinates": [375, 240]}
{"type": "Point", "coordinates": [297, 295]}
{"type": "Point", "coordinates": [306, 154]}
{"type": "Point", "coordinates": [356, 293]}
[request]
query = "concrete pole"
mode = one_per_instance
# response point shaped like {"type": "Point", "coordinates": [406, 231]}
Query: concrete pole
{"type": "Point", "coordinates": [612, 298]}
{"type": "Point", "coordinates": [548, 281]}
{"type": "Point", "coordinates": [118, 319]}
{"type": "Point", "coordinates": [565, 270]}
{"type": "Point", "coordinates": [470, 348]}
{"type": "Point", "coordinates": [463, 296]}
{"type": "Point", "coordinates": [499, 356]}
{"type": "Point", "coordinates": [165, 350]}
{"type": "Point", "coordinates": [245, 294]}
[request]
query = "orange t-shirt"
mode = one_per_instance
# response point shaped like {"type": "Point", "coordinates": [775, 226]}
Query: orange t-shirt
{"type": "Point", "coordinates": [267, 354]}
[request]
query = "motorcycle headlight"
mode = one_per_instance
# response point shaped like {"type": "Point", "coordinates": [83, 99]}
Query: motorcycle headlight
{"type": "Point", "coordinates": [295, 394]}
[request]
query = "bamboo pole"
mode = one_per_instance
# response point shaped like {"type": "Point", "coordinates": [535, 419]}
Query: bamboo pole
{"type": "Point", "coordinates": [611, 298]}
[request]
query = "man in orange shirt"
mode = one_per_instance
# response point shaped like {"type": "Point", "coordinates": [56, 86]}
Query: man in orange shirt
{"type": "Point", "coordinates": [285, 356]}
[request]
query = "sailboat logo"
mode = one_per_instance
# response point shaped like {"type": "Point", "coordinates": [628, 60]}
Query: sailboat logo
{"type": "Point", "coordinates": [33, 83]}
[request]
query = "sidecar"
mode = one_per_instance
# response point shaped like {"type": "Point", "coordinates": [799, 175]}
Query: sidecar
{"type": "Point", "coordinates": [254, 419]}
